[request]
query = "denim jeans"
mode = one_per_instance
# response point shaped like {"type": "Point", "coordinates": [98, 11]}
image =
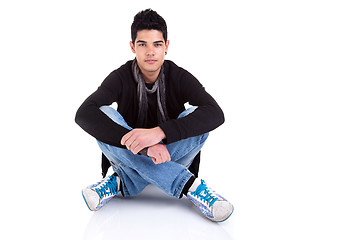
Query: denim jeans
{"type": "Point", "coordinates": [137, 171]}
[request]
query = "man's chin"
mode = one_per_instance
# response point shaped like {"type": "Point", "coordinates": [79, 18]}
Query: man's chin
{"type": "Point", "coordinates": [152, 69]}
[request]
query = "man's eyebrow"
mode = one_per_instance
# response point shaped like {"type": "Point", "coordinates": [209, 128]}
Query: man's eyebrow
{"type": "Point", "coordinates": [142, 41]}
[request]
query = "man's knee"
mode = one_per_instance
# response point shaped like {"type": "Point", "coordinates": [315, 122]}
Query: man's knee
{"type": "Point", "coordinates": [109, 111]}
{"type": "Point", "coordinates": [187, 111]}
{"type": "Point", "coordinates": [204, 137]}
{"type": "Point", "coordinates": [115, 116]}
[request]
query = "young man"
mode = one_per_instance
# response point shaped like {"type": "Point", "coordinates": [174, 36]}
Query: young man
{"type": "Point", "coordinates": [151, 138]}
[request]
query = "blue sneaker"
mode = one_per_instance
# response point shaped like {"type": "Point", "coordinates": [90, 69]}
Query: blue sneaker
{"type": "Point", "coordinates": [98, 194]}
{"type": "Point", "coordinates": [211, 204]}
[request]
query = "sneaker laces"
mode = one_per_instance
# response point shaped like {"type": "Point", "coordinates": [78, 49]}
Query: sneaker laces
{"type": "Point", "coordinates": [110, 184]}
{"type": "Point", "coordinates": [205, 194]}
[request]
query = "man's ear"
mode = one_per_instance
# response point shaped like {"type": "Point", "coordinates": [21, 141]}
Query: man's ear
{"type": "Point", "coordinates": [167, 45]}
{"type": "Point", "coordinates": [132, 47]}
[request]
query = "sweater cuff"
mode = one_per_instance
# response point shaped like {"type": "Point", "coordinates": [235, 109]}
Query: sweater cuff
{"type": "Point", "coordinates": [169, 128]}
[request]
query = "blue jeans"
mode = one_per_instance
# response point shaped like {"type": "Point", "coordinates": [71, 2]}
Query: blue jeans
{"type": "Point", "coordinates": [137, 171]}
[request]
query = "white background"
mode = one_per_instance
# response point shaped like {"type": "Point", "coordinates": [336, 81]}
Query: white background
{"type": "Point", "coordinates": [286, 74]}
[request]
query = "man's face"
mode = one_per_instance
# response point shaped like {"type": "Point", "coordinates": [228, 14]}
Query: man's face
{"type": "Point", "coordinates": [150, 48]}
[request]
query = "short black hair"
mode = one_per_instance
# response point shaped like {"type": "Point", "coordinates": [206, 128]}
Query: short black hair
{"type": "Point", "coordinates": [148, 20]}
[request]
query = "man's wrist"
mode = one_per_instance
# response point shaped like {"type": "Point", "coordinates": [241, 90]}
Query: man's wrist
{"type": "Point", "coordinates": [143, 151]}
{"type": "Point", "coordinates": [160, 133]}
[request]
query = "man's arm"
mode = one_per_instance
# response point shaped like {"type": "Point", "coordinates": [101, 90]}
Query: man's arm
{"type": "Point", "coordinates": [90, 118]}
{"type": "Point", "coordinates": [205, 118]}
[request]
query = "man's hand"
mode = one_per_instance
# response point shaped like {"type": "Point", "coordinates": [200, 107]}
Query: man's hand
{"type": "Point", "coordinates": [159, 153]}
{"type": "Point", "coordinates": [140, 138]}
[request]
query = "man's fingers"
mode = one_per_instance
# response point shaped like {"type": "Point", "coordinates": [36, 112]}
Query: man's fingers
{"type": "Point", "coordinates": [163, 158]}
{"type": "Point", "coordinates": [168, 158]}
{"type": "Point", "coordinates": [131, 142]}
{"type": "Point", "coordinates": [159, 160]}
{"type": "Point", "coordinates": [159, 153]}
{"type": "Point", "coordinates": [125, 138]}
{"type": "Point", "coordinates": [135, 148]}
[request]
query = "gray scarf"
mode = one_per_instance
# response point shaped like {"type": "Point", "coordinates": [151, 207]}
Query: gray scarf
{"type": "Point", "coordinates": [142, 91]}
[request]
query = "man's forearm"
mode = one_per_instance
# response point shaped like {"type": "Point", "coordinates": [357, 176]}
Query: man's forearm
{"type": "Point", "coordinates": [138, 138]}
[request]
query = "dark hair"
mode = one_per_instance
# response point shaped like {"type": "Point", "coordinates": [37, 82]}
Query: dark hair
{"type": "Point", "coordinates": [149, 20]}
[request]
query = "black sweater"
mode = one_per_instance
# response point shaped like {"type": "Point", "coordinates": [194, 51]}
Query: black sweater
{"type": "Point", "coordinates": [120, 87]}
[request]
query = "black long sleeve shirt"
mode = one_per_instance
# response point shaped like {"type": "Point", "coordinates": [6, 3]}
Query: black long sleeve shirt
{"type": "Point", "coordinates": [120, 87]}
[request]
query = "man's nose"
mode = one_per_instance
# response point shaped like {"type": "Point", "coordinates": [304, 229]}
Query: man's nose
{"type": "Point", "coordinates": [150, 50]}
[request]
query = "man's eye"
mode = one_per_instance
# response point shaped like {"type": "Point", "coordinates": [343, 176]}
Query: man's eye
{"type": "Point", "coordinates": [142, 44]}
{"type": "Point", "coordinates": [158, 45]}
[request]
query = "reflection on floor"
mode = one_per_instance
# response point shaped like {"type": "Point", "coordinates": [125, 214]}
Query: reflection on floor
{"type": "Point", "coordinates": [153, 215]}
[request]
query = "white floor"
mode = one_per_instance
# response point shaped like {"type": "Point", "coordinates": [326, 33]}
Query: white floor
{"type": "Point", "coordinates": [151, 215]}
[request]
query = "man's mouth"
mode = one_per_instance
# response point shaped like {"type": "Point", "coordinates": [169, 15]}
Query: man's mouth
{"type": "Point", "coordinates": [150, 61]}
